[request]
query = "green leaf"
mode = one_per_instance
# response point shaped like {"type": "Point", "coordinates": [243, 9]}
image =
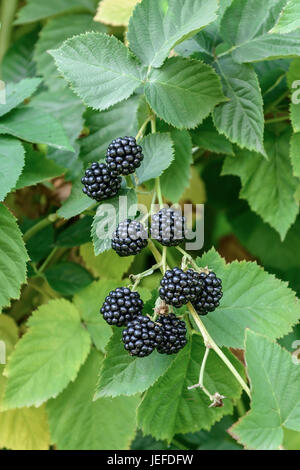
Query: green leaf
{"type": "Point", "coordinates": [169, 408]}
{"type": "Point", "coordinates": [68, 278]}
{"type": "Point", "coordinates": [122, 374]}
{"type": "Point", "coordinates": [252, 298]}
{"type": "Point", "coordinates": [11, 164]}
{"type": "Point", "coordinates": [77, 202]}
{"type": "Point", "coordinates": [105, 424]}
{"type": "Point", "coordinates": [156, 27]}
{"type": "Point", "coordinates": [275, 382]}
{"type": "Point", "coordinates": [104, 126]}
{"type": "Point", "coordinates": [158, 155]}
{"type": "Point", "coordinates": [183, 92]}
{"type": "Point", "coordinates": [247, 27]}
{"type": "Point", "coordinates": [176, 178]}
{"type": "Point", "coordinates": [107, 265]}
{"type": "Point", "coordinates": [268, 185]}
{"type": "Point", "coordinates": [54, 33]}
{"type": "Point", "coordinates": [289, 19]}
{"type": "Point", "coordinates": [37, 169]}
{"type": "Point", "coordinates": [18, 61]}
{"type": "Point", "coordinates": [47, 357]}
{"type": "Point", "coordinates": [13, 258]}
{"type": "Point", "coordinates": [79, 233]}
{"type": "Point", "coordinates": [115, 12]}
{"type": "Point", "coordinates": [109, 214]}
{"type": "Point", "coordinates": [241, 119]}
{"type": "Point", "coordinates": [9, 333]}
{"type": "Point", "coordinates": [295, 156]}
{"type": "Point", "coordinates": [35, 126]}
{"type": "Point", "coordinates": [35, 10]}
{"type": "Point", "coordinates": [88, 62]}
{"type": "Point", "coordinates": [206, 137]}
{"type": "Point", "coordinates": [16, 93]}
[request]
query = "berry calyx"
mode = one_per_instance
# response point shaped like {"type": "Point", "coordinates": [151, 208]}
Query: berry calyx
{"type": "Point", "coordinates": [99, 183]}
{"type": "Point", "coordinates": [211, 294]}
{"type": "Point", "coordinates": [124, 156]}
{"type": "Point", "coordinates": [141, 336]}
{"type": "Point", "coordinates": [168, 227]}
{"type": "Point", "coordinates": [179, 287]}
{"type": "Point", "coordinates": [129, 238]}
{"type": "Point", "coordinates": [121, 306]}
{"type": "Point", "coordinates": [173, 334]}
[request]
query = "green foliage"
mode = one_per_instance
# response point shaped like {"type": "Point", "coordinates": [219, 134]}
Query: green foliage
{"type": "Point", "coordinates": [12, 167]}
{"type": "Point", "coordinates": [289, 19]}
{"type": "Point", "coordinates": [153, 146]}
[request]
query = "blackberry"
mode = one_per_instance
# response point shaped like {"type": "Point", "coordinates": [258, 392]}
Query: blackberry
{"type": "Point", "coordinates": [99, 183]}
{"type": "Point", "coordinates": [180, 287]}
{"type": "Point", "coordinates": [168, 227]}
{"type": "Point", "coordinates": [129, 238]}
{"type": "Point", "coordinates": [211, 294]}
{"type": "Point", "coordinates": [124, 156]}
{"type": "Point", "coordinates": [141, 336]}
{"type": "Point", "coordinates": [173, 334]}
{"type": "Point", "coordinates": [121, 306]}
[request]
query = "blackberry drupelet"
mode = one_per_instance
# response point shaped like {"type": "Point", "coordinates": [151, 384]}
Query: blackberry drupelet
{"type": "Point", "coordinates": [124, 156]}
{"type": "Point", "coordinates": [121, 306]}
{"type": "Point", "coordinates": [211, 294]}
{"type": "Point", "coordinates": [168, 227]}
{"type": "Point", "coordinates": [173, 334]}
{"type": "Point", "coordinates": [129, 238]}
{"type": "Point", "coordinates": [180, 287]}
{"type": "Point", "coordinates": [141, 336]}
{"type": "Point", "coordinates": [99, 183]}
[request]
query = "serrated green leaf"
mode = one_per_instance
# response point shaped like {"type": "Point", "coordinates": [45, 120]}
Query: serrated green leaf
{"type": "Point", "coordinates": [252, 298]}
{"type": "Point", "coordinates": [176, 178]}
{"type": "Point", "coordinates": [109, 214]}
{"type": "Point", "coordinates": [289, 19]}
{"type": "Point", "coordinates": [183, 92]}
{"type": "Point", "coordinates": [206, 137]}
{"type": "Point", "coordinates": [122, 374]}
{"type": "Point", "coordinates": [275, 383]}
{"type": "Point", "coordinates": [18, 62]}
{"type": "Point", "coordinates": [120, 120]}
{"type": "Point", "coordinates": [16, 93]}
{"type": "Point", "coordinates": [36, 10]}
{"type": "Point", "coordinates": [35, 126]}
{"type": "Point", "coordinates": [99, 68]}
{"type": "Point", "coordinates": [169, 408]}
{"type": "Point", "coordinates": [158, 155]}
{"type": "Point", "coordinates": [13, 258]}
{"type": "Point", "coordinates": [102, 425]}
{"type": "Point", "coordinates": [156, 27]}
{"type": "Point", "coordinates": [295, 155]}
{"type": "Point", "coordinates": [241, 119]}
{"type": "Point", "coordinates": [11, 164]}
{"type": "Point", "coordinates": [107, 265]}
{"type": "Point", "coordinates": [269, 194]}
{"type": "Point", "coordinates": [115, 12]}
{"type": "Point", "coordinates": [47, 357]}
{"type": "Point", "coordinates": [68, 278]}
{"type": "Point", "coordinates": [76, 203]}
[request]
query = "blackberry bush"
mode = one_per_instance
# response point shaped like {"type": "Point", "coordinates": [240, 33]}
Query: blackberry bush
{"type": "Point", "coordinates": [211, 293]}
{"type": "Point", "coordinates": [168, 227]}
{"type": "Point", "coordinates": [129, 238]}
{"type": "Point", "coordinates": [173, 334]}
{"type": "Point", "coordinates": [141, 336]}
{"type": "Point", "coordinates": [124, 156]}
{"type": "Point", "coordinates": [99, 182]}
{"type": "Point", "coordinates": [121, 306]}
{"type": "Point", "coordinates": [179, 287]}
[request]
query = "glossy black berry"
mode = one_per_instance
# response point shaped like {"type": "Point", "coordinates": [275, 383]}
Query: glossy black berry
{"type": "Point", "coordinates": [129, 238]}
{"type": "Point", "coordinates": [141, 336]}
{"type": "Point", "coordinates": [124, 156]}
{"type": "Point", "coordinates": [168, 227]}
{"type": "Point", "coordinates": [211, 294]}
{"type": "Point", "coordinates": [121, 306]}
{"type": "Point", "coordinates": [173, 334]}
{"type": "Point", "coordinates": [99, 183]}
{"type": "Point", "coordinates": [179, 287]}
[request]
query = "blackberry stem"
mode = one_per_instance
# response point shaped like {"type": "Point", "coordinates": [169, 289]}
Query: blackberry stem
{"type": "Point", "coordinates": [200, 384]}
{"type": "Point", "coordinates": [142, 129]}
{"type": "Point", "coordinates": [39, 226]}
{"type": "Point", "coordinates": [157, 180]}
{"type": "Point", "coordinates": [137, 278]}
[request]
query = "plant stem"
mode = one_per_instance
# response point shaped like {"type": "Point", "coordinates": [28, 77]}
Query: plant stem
{"type": "Point", "coordinates": [137, 279]}
{"type": "Point", "coordinates": [164, 259]}
{"type": "Point", "coordinates": [157, 180]}
{"type": "Point", "coordinates": [200, 384]}
{"type": "Point", "coordinates": [156, 254]}
{"type": "Point", "coordinates": [129, 181]}
{"type": "Point", "coordinates": [278, 119]}
{"type": "Point", "coordinates": [8, 10]}
{"type": "Point", "coordinates": [39, 226]}
{"type": "Point", "coordinates": [142, 129]}
{"type": "Point", "coordinates": [210, 342]}
{"type": "Point", "coordinates": [48, 260]}
{"type": "Point", "coordinates": [189, 257]}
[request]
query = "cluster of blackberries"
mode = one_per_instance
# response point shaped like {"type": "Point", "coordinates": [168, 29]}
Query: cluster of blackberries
{"type": "Point", "coordinates": [123, 307]}
{"type": "Point", "coordinates": [129, 238]}
{"type": "Point", "coordinates": [103, 180]}
{"type": "Point", "coordinates": [203, 290]}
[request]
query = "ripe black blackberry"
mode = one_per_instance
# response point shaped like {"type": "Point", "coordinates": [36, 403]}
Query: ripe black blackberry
{"type": "Point", "coordinates": [211, 294]}
{"type": "Point", "coordinates": [129, 238]}
{"type": "Point", "coordinates": [141, 336]}
{"type": "Point", "coordinates": [99, 183]}
{"type": "Point", "coordinates": [121, 306]}
{"type": "Point", "coordinates": [124, 156]}
{"type": "Point", "coordinates": [180, 287]}
{"type": "Point", "coordinates": [173, 334]}
{"type": "Point", "coordinates": [168, 227]}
